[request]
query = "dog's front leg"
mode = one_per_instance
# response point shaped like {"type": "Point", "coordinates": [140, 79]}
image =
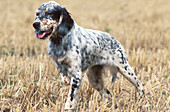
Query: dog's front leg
{"type": "Point", "coordinates": [63, 74]}
{"type": "Point", "coordinates": [74, 86]}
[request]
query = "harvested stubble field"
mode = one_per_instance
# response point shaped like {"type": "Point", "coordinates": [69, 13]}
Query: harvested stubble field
{"type": "Point", "coordinates": [29, 80]}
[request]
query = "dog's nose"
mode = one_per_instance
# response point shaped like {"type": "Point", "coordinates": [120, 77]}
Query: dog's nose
{"type": "Point", "coordinates": [36, 25]}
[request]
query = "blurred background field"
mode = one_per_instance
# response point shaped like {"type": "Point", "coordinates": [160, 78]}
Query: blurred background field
{"type": "Point", "coordinates": [29, 80]}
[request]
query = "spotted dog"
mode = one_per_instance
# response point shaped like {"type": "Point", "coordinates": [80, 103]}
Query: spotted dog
{"type": "Point", "coordinates": [76, 50]}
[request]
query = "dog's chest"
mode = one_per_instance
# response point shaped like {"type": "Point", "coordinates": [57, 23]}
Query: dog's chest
{"type": "Point", "coordinates": [56, 53]}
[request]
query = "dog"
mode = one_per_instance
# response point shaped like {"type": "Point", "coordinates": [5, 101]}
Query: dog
{"type": "Point", "coordinates": [76, 50]}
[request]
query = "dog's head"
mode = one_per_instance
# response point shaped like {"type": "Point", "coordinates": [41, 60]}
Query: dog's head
{"type": "Point", "coordinates": [52, 20]}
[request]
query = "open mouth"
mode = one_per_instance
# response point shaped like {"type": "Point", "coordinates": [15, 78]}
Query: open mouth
{"type": "Point", "coordinates": [44, 34]}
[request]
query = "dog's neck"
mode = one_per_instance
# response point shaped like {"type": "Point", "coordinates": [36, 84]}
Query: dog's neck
{"type": "Point", "coordinates": [56, 40]}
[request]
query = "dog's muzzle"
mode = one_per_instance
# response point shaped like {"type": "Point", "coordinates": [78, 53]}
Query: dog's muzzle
{"type": "Point", "coordinates": [41, 34]}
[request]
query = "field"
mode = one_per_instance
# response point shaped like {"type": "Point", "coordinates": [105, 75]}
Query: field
{"type": "Point", "coordinates": [29, 80]}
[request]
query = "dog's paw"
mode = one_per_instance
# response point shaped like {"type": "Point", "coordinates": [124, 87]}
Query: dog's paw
{"type": "Point", "coordinates": [70, 105]}
{"type": "Point", "coordinates": [65, 80]}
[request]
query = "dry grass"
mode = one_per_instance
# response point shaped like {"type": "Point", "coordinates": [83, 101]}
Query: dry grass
{"type": "Point", "coordinates": [29, 80]}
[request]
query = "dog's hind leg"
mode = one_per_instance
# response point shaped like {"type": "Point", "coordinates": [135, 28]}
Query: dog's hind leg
{"type": "Point", "coordinates": [95, 78]}
{"type": "Point", "coordinates": [122, 65]}
{"type": "Point", "coordinates": [112, 71]}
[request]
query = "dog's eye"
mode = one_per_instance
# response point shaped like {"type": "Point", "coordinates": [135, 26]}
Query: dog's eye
{"type": "Point", "coordinates": [37, 13]}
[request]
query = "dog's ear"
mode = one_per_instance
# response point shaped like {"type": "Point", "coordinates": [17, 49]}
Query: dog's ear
{"type": "Point", "coordinates": [64, 21]}
{"type": "Point", "coordinates": [56, 13]}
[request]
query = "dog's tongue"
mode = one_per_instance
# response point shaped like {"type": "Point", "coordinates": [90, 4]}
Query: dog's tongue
{"type": "Point", "coordinates": [41, 35]}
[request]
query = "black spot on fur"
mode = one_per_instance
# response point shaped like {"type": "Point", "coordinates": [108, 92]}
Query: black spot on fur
{"type": "Point", "coordinates": [123, 59]}
{"type": "Point", "coordinates": [79, 39]}
{"type": "Point", "coordinates": [77, 51]}
{"type": "Point", "coordinates": [74, 86]}
{"type": "Point", "coordinates": [131, 74]}
{"type": "Point", "coordinates": [72, 96]}
{"type": "Point", "coordinates": [49, 53]}
{"type": "Point", "coordinates": [138, 84]}
{"type": "Point", "coordinates": [128, 73]}
{"type": "Point", "coordinates": [75, 81]}
{"type": "Point", "coordinates": [126, 67]}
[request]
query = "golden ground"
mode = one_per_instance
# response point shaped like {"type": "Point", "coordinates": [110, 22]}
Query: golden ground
{"type": "Point", "coordinates": [29, 80]}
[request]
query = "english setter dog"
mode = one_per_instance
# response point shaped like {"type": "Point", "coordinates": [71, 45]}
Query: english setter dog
{"type": "Point", "coordinates": [76, 50]}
